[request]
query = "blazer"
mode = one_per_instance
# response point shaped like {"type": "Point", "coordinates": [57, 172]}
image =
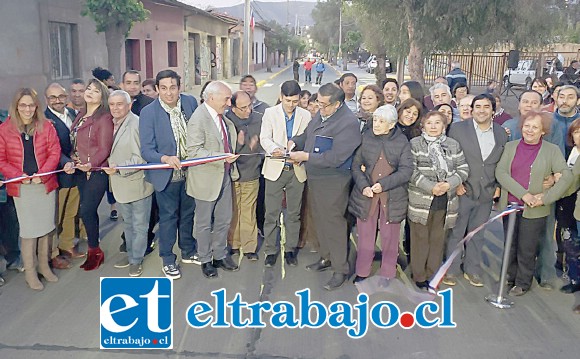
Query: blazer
{"type": "Point", "coordinates": [128, 185]}
{"type": "Point", "coordinates": [481, 183]}
{"type": "Point", "coordinates": [273, 135]}
{"type": "Point", "coordinates": [157, 137]}
{"type": "Point", "coordinates": [63, 133]}
{"type": "Point", "coordinates": [204, 182]}
{"type": "Point", "coordinates": [548, 161]}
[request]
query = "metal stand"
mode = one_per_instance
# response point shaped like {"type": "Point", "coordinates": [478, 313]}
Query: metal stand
{"type": "Point", "coordinates": [508, 88]}
{"type": "Point", "coordinates": [498, 300]}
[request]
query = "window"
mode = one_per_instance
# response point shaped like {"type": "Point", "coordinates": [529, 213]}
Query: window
{"type": "Point", "coordinates": [61, 56]}
{"type": "Point", "coordinates": [172, 53]}
{"type": "Point", "coordinates": [133, 54]}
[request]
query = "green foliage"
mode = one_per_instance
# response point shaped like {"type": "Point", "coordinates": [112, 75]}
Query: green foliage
{"type": "Point", "coordinates": [352, 41]}
{"type": "Point", "coordinates": [109, 14]}
{"type": "Point", "coordinates": [326, 16]}
{"type": "Point", "coordinates": [280, 38]}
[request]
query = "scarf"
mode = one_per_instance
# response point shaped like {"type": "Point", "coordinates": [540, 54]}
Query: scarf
{"type": "Point", "coordinates": [435, 152]}
{"type": "Point", "coordinates": [178, 126]}
{"type": "Point", "coordinates": [573, 156]}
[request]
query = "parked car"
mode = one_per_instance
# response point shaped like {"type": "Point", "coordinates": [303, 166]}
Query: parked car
{"type": "Point", "coordinates": [372, 64]}
{"type": "Point", "coordinates": [524, 74]}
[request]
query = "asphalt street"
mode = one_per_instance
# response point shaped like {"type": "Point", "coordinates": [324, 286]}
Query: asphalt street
{"type": "Point", "coordinates": [63, 320]}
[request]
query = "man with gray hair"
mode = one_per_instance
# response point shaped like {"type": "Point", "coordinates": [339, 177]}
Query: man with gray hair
{"type": "Point", "coordinates": [440, 94]}
{"type": "Point", "coordinates": [210, 133]}
{"type": "Point", "coordinates": [132, 192]}
{"type": "Point", "coordinates": [455, 76]}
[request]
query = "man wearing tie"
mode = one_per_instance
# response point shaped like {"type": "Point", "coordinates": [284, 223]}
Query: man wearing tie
{"type": "Point", "coordinates": [209, 133]}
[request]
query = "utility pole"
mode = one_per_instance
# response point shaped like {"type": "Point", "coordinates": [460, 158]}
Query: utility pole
{"type": "Point", "coordinates": [246, 46]}
{"type": "Point", "coordinates": [339, 55]}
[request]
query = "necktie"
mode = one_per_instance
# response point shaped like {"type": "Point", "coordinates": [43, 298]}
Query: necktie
{"type": "Point", "coordinates": [227, 147]}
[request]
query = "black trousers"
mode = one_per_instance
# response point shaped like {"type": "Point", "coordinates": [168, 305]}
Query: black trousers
{"type": "Point", "coordinates": [9, 230]}
{"type": "Point", "coordinates": [92, 191]}
{"type": "Point", "coordinates": [329, 197]}
{"type": "Point", "coordinates": [527, 233]}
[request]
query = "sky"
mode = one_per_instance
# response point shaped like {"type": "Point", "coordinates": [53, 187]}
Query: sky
{"type": "Point", "coordinates": [202, 4]}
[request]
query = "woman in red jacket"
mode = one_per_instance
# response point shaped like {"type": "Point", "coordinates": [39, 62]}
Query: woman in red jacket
{"type": "Point", "coordinates": [92, 138]}
{"type": "Point", "coordinates": [29, 145]}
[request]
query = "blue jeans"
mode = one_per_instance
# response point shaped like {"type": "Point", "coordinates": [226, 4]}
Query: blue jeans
{"type": "Point", "coordinates": [176, 210]}
{"type": "Point", "coordinates": [136, 219]}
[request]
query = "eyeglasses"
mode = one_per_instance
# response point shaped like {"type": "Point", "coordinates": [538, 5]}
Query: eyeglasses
{"type": "Point", "coordinates": [54, 98]}
{"type": "Point", "coordinates": [23, 106]}
{"type": "Point", "coordinates": [323, 105]}
{"type": "Point", "coordinates": [244, 108]}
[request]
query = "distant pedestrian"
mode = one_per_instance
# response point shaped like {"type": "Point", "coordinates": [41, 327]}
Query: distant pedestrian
{"type": "Point", "coordinates": [320, 68]}
{"type": "Point", "coordinates": [295, 68]}
{"type": "Point", "coordinates": [308, 71]}
{"type": "Point", "coordinates": [456, 75]}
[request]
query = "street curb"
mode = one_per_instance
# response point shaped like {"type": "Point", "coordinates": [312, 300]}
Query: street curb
{"type": "Point", "coordinates": [263, 82]}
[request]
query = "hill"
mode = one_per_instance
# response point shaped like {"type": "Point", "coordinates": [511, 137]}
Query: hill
{"type": "Point", "coordinates": [281, 12]}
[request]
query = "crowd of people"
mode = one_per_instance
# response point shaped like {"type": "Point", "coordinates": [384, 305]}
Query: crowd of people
{"type": "Point", "coordinates": [422, 169]}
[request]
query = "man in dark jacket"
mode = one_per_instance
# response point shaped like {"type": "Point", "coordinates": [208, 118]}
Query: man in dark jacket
{"type": "Point", "coordinates": [455, 76]}
{"type": "Point", "coordinates": [132, 85]}
{"type": "Point", "coordinates": [327, 146]}
{"type": "Point", "coordinates": [482, 145]}
{"type": "Point", "coordinates": [244, 231]}
{"type": "Point", "coordinates": [62, 118]}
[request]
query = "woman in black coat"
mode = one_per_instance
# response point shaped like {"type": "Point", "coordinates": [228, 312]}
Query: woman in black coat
{"type": "Point", "coordinates": [381, 169]}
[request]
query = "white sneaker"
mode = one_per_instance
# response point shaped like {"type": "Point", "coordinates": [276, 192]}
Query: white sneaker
{"type": "Point", "coordinates": [194, 259]}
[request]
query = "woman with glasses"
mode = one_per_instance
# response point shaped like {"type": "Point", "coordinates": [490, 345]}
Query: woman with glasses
{"type": "Point", "coordinates": [29, 145]}
{"type": "Point", "coordinates": [92, 139]}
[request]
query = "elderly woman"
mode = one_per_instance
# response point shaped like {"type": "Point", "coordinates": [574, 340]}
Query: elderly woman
{"type": "Point", "coordinates": [459, 91]}
{"type": "Point", "coordinates": [370, 99]}
{"type": "Point", "coordinates": [381, 169]}
{"type": "Point", "coordinates": [521, 170]}
{"type": "Point", "coordinates": [29, 145]}
{"type": "Point", "coordinates": [409, 113]}
{"type": "Point", "coordinates": [439, 168]}
{"type": "Point", "coordinates": [92, 138]}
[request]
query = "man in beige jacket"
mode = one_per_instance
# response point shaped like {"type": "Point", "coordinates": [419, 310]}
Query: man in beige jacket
{"type": "Point", "coordinates": [282, 175]}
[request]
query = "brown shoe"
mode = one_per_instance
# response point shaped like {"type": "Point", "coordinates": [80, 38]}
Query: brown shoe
{"type": "Point", "coordinates": [61, 262]}
{"type": "Point", "coordinates": [72, 254]}
{"type": "Point", "coordinates": [576, 309]}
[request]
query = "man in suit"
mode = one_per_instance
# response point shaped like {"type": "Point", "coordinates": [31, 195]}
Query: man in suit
{"type": "Point", "coordinates": [62, 118]}
{"type": "Point", "coordinates": [279, 124]}
{"type": "Point", "coordinates": [132, 192]}
{"type": "Point", "coordinates": [243, 231]}
{"type": "Point", "coordinates": [209, 133]}
{"type": "Point", "coordinates": [329, 178]}
{"type": "Point", "coordinates": [482, 145]}
{"type": "Point", "coordinates": [77, 95]}
{"type": "Point", "coordinates": [163, 135]}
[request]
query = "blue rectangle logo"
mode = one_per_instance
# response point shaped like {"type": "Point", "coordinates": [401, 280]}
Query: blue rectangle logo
{"type": "Point", "coordinates": [136, 313]}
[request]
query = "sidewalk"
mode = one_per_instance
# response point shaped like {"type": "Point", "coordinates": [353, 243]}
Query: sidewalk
{"type": "Point", "coordinates": [261, 77]}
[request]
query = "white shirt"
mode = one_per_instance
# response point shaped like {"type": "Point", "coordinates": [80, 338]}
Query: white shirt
{"type": "Point", "coordinates": [486, 140]}
{"type": "Point", "coordinates": [216, 119]}
{"type": "Point", "coordinates": [65, 117]}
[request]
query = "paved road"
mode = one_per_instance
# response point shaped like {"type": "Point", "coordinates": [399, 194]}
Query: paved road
{"type": "Point", "coordinates": [63, 320]}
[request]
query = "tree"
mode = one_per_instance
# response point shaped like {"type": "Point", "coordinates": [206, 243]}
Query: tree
{"type": "Point", "coordinates": [280, 39]}
{"type": "Point", "coordinates": [417, 27]}
{"type": "Point", "coordinates": [115, 18]}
